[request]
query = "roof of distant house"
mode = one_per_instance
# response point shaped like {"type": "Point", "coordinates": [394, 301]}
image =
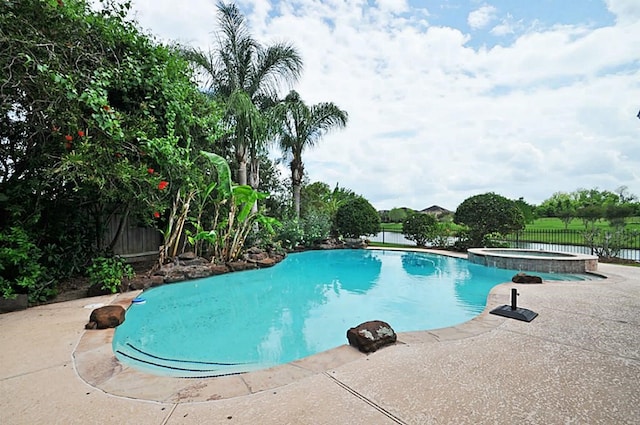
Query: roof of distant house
{"type": "Point", "coordinates": [435, 209]}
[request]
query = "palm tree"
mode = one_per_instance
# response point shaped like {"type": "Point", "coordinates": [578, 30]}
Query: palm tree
{"type": "Point", "coordinates": [302, 127]}
{"type": "Point", "coordinates": [246, 76]}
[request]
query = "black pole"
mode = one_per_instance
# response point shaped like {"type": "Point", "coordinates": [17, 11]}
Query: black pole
{"type": "Point", "coordinates": [514, 298]}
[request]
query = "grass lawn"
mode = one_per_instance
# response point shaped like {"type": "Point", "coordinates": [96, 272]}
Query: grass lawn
{"type": "Point", "coordinates": [391, 227]}
{"type": "Point", "coordinates": [633, 223]}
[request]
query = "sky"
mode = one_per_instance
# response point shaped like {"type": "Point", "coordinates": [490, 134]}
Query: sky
{"type": "Point", "coordinates": [452, 98]}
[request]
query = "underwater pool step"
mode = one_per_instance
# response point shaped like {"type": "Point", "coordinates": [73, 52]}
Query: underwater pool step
{"type": "Point", "coordinates": [180, 365]}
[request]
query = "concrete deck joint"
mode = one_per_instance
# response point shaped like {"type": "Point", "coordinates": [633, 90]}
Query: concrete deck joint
{"type": "Point", "coordinates": [166, 419]}
{"type": "Point", "coordinates": [366, 400]}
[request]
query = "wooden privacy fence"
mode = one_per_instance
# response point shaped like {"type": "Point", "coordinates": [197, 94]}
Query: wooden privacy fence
{"type": "Point", "coordinates": [135, 243]}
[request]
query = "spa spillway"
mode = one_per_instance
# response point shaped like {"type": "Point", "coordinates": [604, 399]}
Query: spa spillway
{"type": "Point", "coordinates": [534, 260]}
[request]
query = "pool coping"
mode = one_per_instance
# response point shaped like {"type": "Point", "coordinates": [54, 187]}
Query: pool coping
{"type": "Point", "coordinates": [96, 364]}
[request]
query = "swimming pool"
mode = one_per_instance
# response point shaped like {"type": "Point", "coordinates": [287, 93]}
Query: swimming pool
{"type": "Point", "coordinates": [255, 319]}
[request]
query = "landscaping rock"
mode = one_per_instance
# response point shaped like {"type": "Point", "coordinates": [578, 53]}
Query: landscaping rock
{"type": "Point", "coordinates": [526, 278]}
{"type": "Point", "coordinates": [187, 256]}
{"type": "Point", "coordinates": [331, 243]}
{"type": "Point", "coordinates": [266, 262]}
{"type": "Point", "coordinates": [185, 267]}
{"type": "Point", "coordinates": [257, 256]}
{"type": "Point", "coordinates": [369, 336]}
{"type": "Point", "coordinates": [195, 272]}
{"type": "Point", "coordinates": [218, 269]}
{"type": "Point", "coordinates": [105, 317]}
{"type": "Point", "coordinates": [156, 281]}
{"type": "Point", "coordinates": [238, 266]}
{"type": "Point", "coordinates": [354, 243]}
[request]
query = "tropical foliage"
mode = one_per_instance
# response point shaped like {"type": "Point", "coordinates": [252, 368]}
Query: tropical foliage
{"type": "Point", "coordinates": [302, 127]}
{"type": "Point", "coordinates": [101, 126]}
{"type": "Point", "coordinates": [98, 123]}
{"type": "Point", "coordinates": [245, 76]}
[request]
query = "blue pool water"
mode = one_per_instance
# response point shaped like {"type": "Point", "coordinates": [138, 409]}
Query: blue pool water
{"type": "Point", "coordinates": [250, 320]}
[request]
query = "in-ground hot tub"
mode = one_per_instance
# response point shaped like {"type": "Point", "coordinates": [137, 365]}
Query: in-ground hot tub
{"type": "Point", "coordinates": [534, 260]}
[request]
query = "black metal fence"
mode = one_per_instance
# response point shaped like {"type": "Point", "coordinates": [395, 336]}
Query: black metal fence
{"type": "Point", "coordinates": [622, 244]}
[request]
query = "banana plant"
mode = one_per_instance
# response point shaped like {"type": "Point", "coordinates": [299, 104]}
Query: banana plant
{"type": "Point", "coordinates": [237, 201]}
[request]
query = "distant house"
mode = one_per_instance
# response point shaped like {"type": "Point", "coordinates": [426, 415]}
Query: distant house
{"type": "Point", "coordinates": [436, 211]}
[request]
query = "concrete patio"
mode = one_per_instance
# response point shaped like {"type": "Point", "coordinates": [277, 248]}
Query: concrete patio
{"type": "Point", "coordinates": [577, 362]}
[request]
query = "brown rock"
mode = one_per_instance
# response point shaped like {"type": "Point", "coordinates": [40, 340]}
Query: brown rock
{"type": "Point", "coordinates": [156, 281]}
{"type": "Point", "coordinates": [218, 269]}
{"type": "Point", "coordinates": [187, 256]}
{"type": "Point", "coordinates": [108, 316]}
{"type": "Point", "coordinates": [238, 266]}
{"type": "Point", "coordinates": [266, 262]}
{"type": "Point", "coordinates": [198, 272]}
{"type": "Point", "coordinates": [369, 336]}
{"type": "Point", "coordinates": [526, 278]}
{"type": "Point", "coordinates": [258, 256]}
{"type": "Point", "coordinates": [175, 276]}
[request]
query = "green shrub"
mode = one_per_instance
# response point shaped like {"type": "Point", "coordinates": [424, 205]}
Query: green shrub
{"type": "Point", "coordinates": [356, 218]}
{"type": "Point", "coordinates": [486, 214]}
{"type": "Point", "coordinates": [443, 235]}
{"type": "Point", "coordinates": [420, 228]}
{"type": "Point", "coordinates": [109, 273]}
{"type": "Point", "coordinates": [291, 234]}
{"type": "Point", "coordinates": [20, 269]}
{"type": "Point", "coordinates": [316, 227]}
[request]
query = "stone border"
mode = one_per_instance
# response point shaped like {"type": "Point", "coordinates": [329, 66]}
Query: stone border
{"type": "Point", "coordinates": [517, 259]}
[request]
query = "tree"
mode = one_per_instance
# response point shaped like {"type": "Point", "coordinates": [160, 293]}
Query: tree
{"type": "Point", "coordinates": [356, 218]}
{"type": "Point", "coordinates": [302, 127]}
{"type": "Point", "coordinates": [99, 121]}
{"type": "Point", "coordinates": [488, 213]}
{"type": "Point", "coordinates": [246, 76]}
{"type": "Point", "coordinates": [398, 215]}
{"type": "Point", "coordinates": [528, 211]}
{"type": "Point", "coordinates": [561, 205]}
{"type": "Point", "coordinates": [90, 110]}
{"type": "Point", "coordinates": [420, 228]}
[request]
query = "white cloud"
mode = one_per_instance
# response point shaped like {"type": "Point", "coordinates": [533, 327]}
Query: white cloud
{"type": "Point", "coordinates": [393, 6]}
{"type": "Point", "coordinates": [482, 17]}
{"type": "Point", "coordinates": [626, 11]}
{"type": "Point", "coordinates": [507, 26]}
{"type": "Point", "coordinates": [432, 120]}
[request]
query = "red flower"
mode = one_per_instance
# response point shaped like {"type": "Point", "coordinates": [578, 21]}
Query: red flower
{"type": "Point", "coordinates": [68, 138]}
{"type": "Point", "coordinates": [106, 108]}
{"type": "Point", "coordinates": [68, 145]}
{"type": "Point", "coordinates": [163, 185]}
{"type": "Point", "coordinates": [80, 133]}
{"type": "Point", "coordinates": [156, 214]}
{"type": "Point", "coordinates": [150, 170]}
